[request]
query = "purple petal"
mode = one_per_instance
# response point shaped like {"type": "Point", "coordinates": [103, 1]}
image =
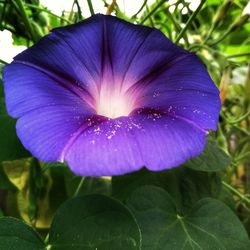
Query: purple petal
{"type": "Point", "coordinates": [127, 144]}
{"type": "Point", "coordinates": [53, 55]}
{"type": "Point", "coordinates": [46, 131]}
{"type": "Point", "coordinates": [184, 90]}
{"type": "Point", "coordinates": [27, 88]}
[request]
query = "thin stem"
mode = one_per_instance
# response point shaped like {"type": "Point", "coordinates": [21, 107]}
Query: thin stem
{"type": "Point", "coordinates": [142, 7]}
{"type": "Point", "coordinates": [236, 192]}
{"type": "Point", "coordinates": [190, 20]}
{"type": "Point", "coordinates": [236, 25]}
{"type": "Point", "coordinates": [204, 46]}
{"type": "Point", "coordinates": [91, 9]}
{"type": "Point", "coordinates": [243, 117]}
{"type": "Point", "coordinates": [222, 37]}
{"type": "Point", "coordinates": [150, 18]}
{"type": "Point", "coordinates": [26, 19]}
{"type": "Point", "coordinates": [209, 33]}
{"type": "Point", "coordinates": [79, 187]}
{"type": "Point", "coordinates": [3, 13]}
{"type": "Point", "coordinates": [241, 129]}
{"type": "Point", "coordinates": [153, 10]}
{"type": "Point", "coordinates": [239, 55]}
{"type": "Point", "coordinates": [3, 62]}
{"type": "Point", "coordinates": [176, 25]}
{"type": "Point", "coordinates": [79, 12]}
{"type": "Point", "coordinates": [49, 12]}
{"type": "Point", "coordinates": [242, 156]}
{"type": "Point", "coordinates": [111, 7]}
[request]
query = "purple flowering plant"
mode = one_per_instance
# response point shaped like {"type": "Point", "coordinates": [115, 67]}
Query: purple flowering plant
{"type": "Point", "coordinates": [116, 134]}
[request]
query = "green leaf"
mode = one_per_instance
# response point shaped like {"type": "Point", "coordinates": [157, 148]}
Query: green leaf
{"type": "Point", "coordinates": [124, 185]}
{"type": "Point", "coordinates": [94, 222]}
{"type": "Point", "coordinates": [185, 185]}
{"type": "Point", "coordinates": [11, 147]}
{"type": "Point", "coordinates": [210, 224]}
{"type": "Point", "coordinates": [16, 235]}
{"type": "Point", "coordinates": [195, 185]}
{"type": "Point", "coordinates": [212, 159]}
{"type": "Point", "coordinates": [1, 213]}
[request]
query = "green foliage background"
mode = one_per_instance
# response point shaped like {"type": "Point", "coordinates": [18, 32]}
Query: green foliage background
{"type": "Point", "coordinates": [204, 204]}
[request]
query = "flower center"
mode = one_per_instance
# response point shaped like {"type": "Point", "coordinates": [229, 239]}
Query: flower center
{"type": "Point", "coordinates": [113, 103]}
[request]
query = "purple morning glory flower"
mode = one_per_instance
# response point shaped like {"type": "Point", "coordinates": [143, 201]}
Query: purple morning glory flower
{"type": "Point", "coordinates": [109, 97]}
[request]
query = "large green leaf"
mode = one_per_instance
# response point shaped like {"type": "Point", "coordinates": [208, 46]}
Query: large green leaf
{"type": "Point", "coordinates": [124, 185]}
{"type": "Point", "coordinates": [94, 222]}
{"type": "Point", "coordinates": [212, 159]}
{"type": "Point", "coordinates": [16, 235]}
{"type": "Point", "coordinates": [209, 225]}
{"type": "Point", "coordinates": [185, 185]}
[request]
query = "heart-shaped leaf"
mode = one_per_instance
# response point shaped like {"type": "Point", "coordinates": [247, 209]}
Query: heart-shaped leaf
{"type": "Point", "coordinates": [16, 235]}
{"type": "Point", "coordinates": [210, 224]}
{"type": "Point", "coordinates": [212, 159]}
{"type": "Point", "coordinates": [94, 222]}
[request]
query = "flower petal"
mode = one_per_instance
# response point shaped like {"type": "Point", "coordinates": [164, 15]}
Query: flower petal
{"type": "Point", "coordinates": [28, 89]}
{"type": "Point", "coordinates": [117, 49]}
{"type": "Point", "coordinates": [54, 55]}
{"type": "Point", "coordinates": [126, 144]}
{"type": "Point", "coordinates": [185, 90]}
{"type": "Point", "coordinates": [46, 131]}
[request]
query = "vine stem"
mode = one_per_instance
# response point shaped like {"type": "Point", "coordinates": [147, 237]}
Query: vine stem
{"type": "Point", "coordinates": [91, 9]}
{"type": "Point", "coordinates": [176, 25]}
{"type": "Point", "coordinates": [236, 192]}
{"type": "Point", "coordinates": [243, 117]}
{"type": "Point", "coordinates": [3, 62]}
{"type": "Point", "coordinates": [47, 11]}
{"type": "Point", "coordinates": [222, 37]}
{"type": "Point", "coordinates": [79, 187]}
{"type": "Point", "coordinates": [26, 19]}
{"type": "Point", "coordinates": [3, 13]}
{"type": "Point", "coordinates": [111, 7]}
{"type": "Point", "coordinates": [194, 14]}
{"type": "Point", "coordinates": [239, 55]}
{"type": "Point", "coordinates": [152, 11]}
{"type": "Point", "coordinates": [142, 7]}
{"type": "Point", "coordinates": [237, 24]}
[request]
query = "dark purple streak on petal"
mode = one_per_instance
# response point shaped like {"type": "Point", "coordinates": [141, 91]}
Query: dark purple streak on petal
{"type": "Point", "coordinates": [32, 88]}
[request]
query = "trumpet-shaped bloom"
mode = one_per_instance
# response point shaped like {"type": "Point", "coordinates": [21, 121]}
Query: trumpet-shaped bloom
{"type": "Point", "coordinates": [109, 97]}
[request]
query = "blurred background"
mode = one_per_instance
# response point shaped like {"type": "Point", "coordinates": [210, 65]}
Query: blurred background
{"type": "Point", "coordinates": [217, 30]}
